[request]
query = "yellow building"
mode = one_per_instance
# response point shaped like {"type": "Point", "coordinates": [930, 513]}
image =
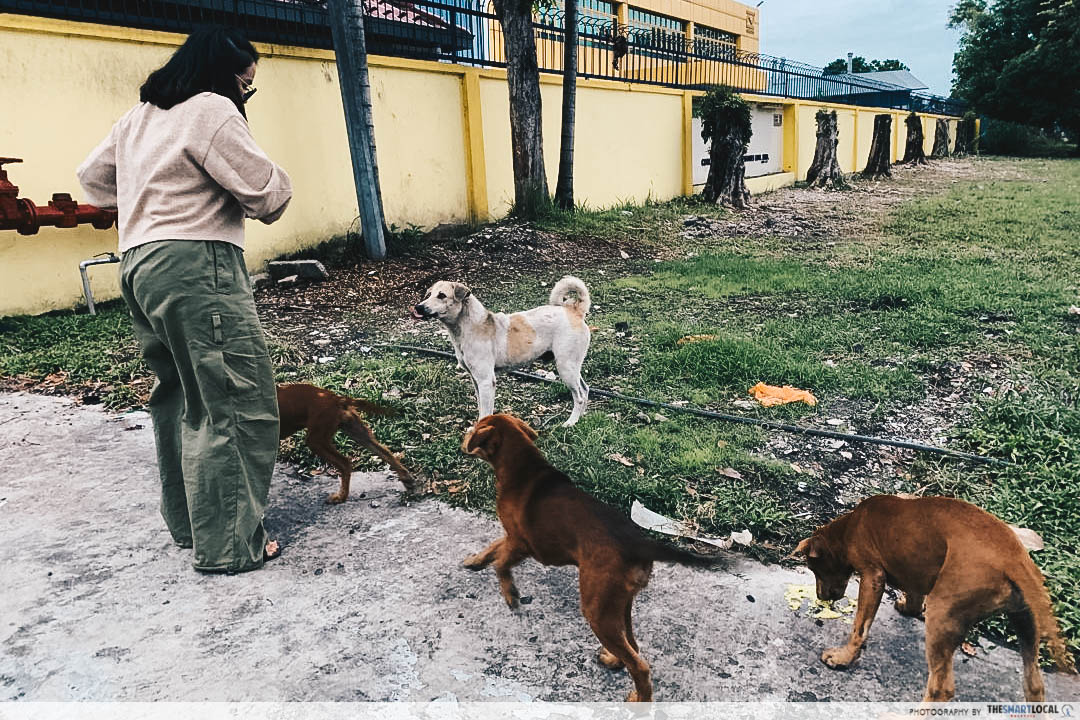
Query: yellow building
{"type": "Point", "coordinates": [672, 41]}
{"type": "Point", "coordinates": [441, 127]}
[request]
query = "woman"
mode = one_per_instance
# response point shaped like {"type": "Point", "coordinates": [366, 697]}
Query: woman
{"type": "Point", "coordinates": [183, 172]}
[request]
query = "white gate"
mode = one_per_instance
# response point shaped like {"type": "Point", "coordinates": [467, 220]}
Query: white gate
{"type": "Point", "coordinates": [765, 154]}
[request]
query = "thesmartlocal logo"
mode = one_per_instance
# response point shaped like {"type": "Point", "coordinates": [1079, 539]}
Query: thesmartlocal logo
{"type": "Point", "coordinates": [1026, 710]}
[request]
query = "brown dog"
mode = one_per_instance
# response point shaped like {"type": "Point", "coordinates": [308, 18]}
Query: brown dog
{"type": "Point", "coordinates": [547, 518]}
{"type": "Point", "coordinates": [964, 562]}
{"type": "Point", "coordinates": [323, 413]}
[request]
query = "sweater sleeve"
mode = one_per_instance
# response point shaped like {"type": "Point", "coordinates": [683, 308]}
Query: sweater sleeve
{"type": "Point", "coordinates": [240, 166]}
{"type": "Point", "coordinates": [97, 174]}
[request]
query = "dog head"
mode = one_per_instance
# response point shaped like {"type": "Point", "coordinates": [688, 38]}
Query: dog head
{"type": "Point", "coordinates": [444, 301]}
{"type": "Point", "coordinates": [490, 434]}
{"type": "Point", "coordinates": [831, 571]}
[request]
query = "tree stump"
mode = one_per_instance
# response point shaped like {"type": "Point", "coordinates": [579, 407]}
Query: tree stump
{"type": "Point", "coordinates": [726, 125]}
{"type": "Point", "coordinates": [941, 139]}
{"type": "Point", "coordinates": [727, 172]}
{"type": "Point", "coordinates": [880, 160]}
{"type": "Point", "coordinates": [825, 171]}
{"type": "Point", "coordinates": [965, 135]}
{"type": "Point", "coordinates": [914, 153]}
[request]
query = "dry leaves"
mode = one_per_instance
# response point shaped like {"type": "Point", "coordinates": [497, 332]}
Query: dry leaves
{"type": "Point", "coordinates": [695, 338]}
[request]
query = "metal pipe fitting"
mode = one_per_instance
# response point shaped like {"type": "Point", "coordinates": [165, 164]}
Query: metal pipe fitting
{"type": "Point", "coordinates": [96, 260]}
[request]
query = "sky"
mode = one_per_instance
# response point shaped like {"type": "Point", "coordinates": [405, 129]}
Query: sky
{"type": "Point", "coordinates": [819, 31]}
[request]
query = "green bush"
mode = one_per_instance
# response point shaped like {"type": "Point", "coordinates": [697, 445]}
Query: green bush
{"type": "Point", "coordinates": [1000, 137]}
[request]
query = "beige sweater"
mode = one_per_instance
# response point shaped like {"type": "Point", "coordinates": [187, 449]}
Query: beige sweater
{"type": "Point", "coordinates": [192, 172]}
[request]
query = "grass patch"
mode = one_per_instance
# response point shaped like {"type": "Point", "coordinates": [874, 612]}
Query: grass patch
{"type": "Point", "coordinates": [650, 222]}
{"type": "Point", "coordinates": [77, 349]}
{"type": "Point", "coordinates": [986, 269]}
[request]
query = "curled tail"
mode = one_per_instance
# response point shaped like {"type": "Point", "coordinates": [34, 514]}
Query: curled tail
{"type": "Point", "coordinates": [364, 407]}
{"type": "Point", "coordinates": [675, 554]}
{"type": "Point", "coordinates": [567, 285]}
{"type": "Point", "coordinates": [1029, 581]}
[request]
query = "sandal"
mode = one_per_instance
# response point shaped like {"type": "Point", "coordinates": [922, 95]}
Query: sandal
{"type": "Point", "coordinates": [271, 551]}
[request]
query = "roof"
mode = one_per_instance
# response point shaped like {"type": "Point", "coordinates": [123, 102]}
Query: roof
{"type": "Point", "coordinates": [903, 78]}
{"type": "Point", "coordinates": [404, 12]}
{"type": "Point", "coordinates": [883, 81]}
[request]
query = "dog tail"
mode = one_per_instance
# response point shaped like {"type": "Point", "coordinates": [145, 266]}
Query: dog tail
{"type": "Point", "coordinates": [1029, 581]}
{"type": "Point", "coordinates": [365, 407]}
{"type": "Point", "coordinates": [567, 285]}
{"type": "Point", "coordinates": [673, 553]}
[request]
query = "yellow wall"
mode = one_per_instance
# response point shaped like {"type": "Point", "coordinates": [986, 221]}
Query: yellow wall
{"type": "Point", "coordinates": [442, 134]}
{"type": "Point", "coordinates": [855, 130]}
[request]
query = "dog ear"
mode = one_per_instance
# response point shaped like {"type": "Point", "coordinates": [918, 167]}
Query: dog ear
{"type": "Point", "coordinates": [806, 547]}
{"type": "Point", "coordinates": [525, 428]}
{"type": "Point", "coordinates": [481, 442]}
{"type": "Point", "coordinates": [461, 291]}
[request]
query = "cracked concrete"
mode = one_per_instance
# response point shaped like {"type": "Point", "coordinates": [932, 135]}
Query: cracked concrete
{"type": "Point", "coordinates": [369, 601]}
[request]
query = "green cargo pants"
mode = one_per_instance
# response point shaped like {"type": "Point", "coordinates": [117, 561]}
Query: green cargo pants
{"type": "Point", "coordinates": [214, 404]}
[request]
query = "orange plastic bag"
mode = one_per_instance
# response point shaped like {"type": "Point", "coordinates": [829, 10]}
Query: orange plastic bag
{"type": "Point", "coordinates": [770, 395]}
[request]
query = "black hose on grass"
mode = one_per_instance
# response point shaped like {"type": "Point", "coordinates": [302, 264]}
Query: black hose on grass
{"type": "Point", "coordinates": [734, 418]}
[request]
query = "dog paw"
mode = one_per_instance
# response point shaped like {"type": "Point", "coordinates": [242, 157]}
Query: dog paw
{"type": "Point", "coordinates": [837, 658]}
{"type": "Point", "coordinates": [634, 697]}
{"type": "Point", "coordinates": [512, 597]}
{"type": "Point", "coordinates": [475, 562]}
{"type": "Point", "coordinates": [335, 499]}
{"type": "Point", "coordinates": [609, 660]}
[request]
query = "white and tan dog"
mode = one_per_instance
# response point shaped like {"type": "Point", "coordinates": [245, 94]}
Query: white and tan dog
{"type": "Point", "coordinates": [484, 341]}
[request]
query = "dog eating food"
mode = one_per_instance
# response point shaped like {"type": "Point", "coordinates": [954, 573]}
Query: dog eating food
{"type": "Point", "coordinates": [962, 561]}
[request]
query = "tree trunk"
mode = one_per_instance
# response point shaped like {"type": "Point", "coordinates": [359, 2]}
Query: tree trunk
{"type": "Point", "coordinates": [727, 172]}
{"type": "Point", "coordinates": [350, 51]}
{"type": "Point", "coordinates": [825, 171]}
{"type": "Point", "coordinates": [941, 139]}
{"type": "Point", "coordinates": [526, 129]}
{"type": "Point", "coordinates": [914, 153]}
{"type": "Point", "coordinates": [880, 160]}
{"type": "Point", "coordinates": [965, 135]}
{"type": "Point", "coordinates": [564, 189]}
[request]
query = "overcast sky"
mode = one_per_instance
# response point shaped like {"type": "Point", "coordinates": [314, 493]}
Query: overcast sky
{"type": "Point", "coordinates": [818, 31]}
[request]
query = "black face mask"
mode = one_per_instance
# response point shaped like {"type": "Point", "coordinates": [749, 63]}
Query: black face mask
{"type": "Point", "coordinates": [245, 95]}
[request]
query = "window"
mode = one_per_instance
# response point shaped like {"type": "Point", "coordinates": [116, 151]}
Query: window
{"type": "Point", "coordinates": [712, 43]}
{"type": "Point", "coordinates": [656, 35]}
{"type": "Point", "coordinates": [643, 18]}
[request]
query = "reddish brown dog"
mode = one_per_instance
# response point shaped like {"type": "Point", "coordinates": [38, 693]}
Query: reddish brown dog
{"type": "Point", "coordinates": [323, 413]}
{"type": "Point", "coordinates": [550, 520]}
{"type": "Point", "coordinates": [962, 561]}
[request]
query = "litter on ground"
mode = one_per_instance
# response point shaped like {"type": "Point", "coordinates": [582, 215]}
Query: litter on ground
{"type": "Point", "coordinates": [770, 395]}
{"type": "Point", "coordinates": [656, 522]}
{"type": "Point", "coordinates": [796, 595]}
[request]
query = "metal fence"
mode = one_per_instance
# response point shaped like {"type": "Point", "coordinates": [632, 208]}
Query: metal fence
{"type": "Point", "coordinates": [468, 32]}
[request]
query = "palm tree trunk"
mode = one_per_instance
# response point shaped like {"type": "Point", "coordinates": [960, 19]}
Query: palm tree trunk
{"type": "Point", "coordinates": [564, 189]}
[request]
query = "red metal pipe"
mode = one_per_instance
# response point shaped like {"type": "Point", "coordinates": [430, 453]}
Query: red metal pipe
{"type": "Point", "coordinates": [26, 218]}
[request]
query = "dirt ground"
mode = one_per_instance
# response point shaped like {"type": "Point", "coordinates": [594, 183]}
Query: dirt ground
{"type": "Point", "coordinates": [368, 601]}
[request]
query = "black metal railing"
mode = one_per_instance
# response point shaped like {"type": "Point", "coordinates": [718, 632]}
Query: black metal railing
{"type": "Point", "coordinates": [468, 32]}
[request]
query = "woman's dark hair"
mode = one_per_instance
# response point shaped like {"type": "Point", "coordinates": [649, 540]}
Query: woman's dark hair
{"type": "Point", "coordinates": [208, 61]}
